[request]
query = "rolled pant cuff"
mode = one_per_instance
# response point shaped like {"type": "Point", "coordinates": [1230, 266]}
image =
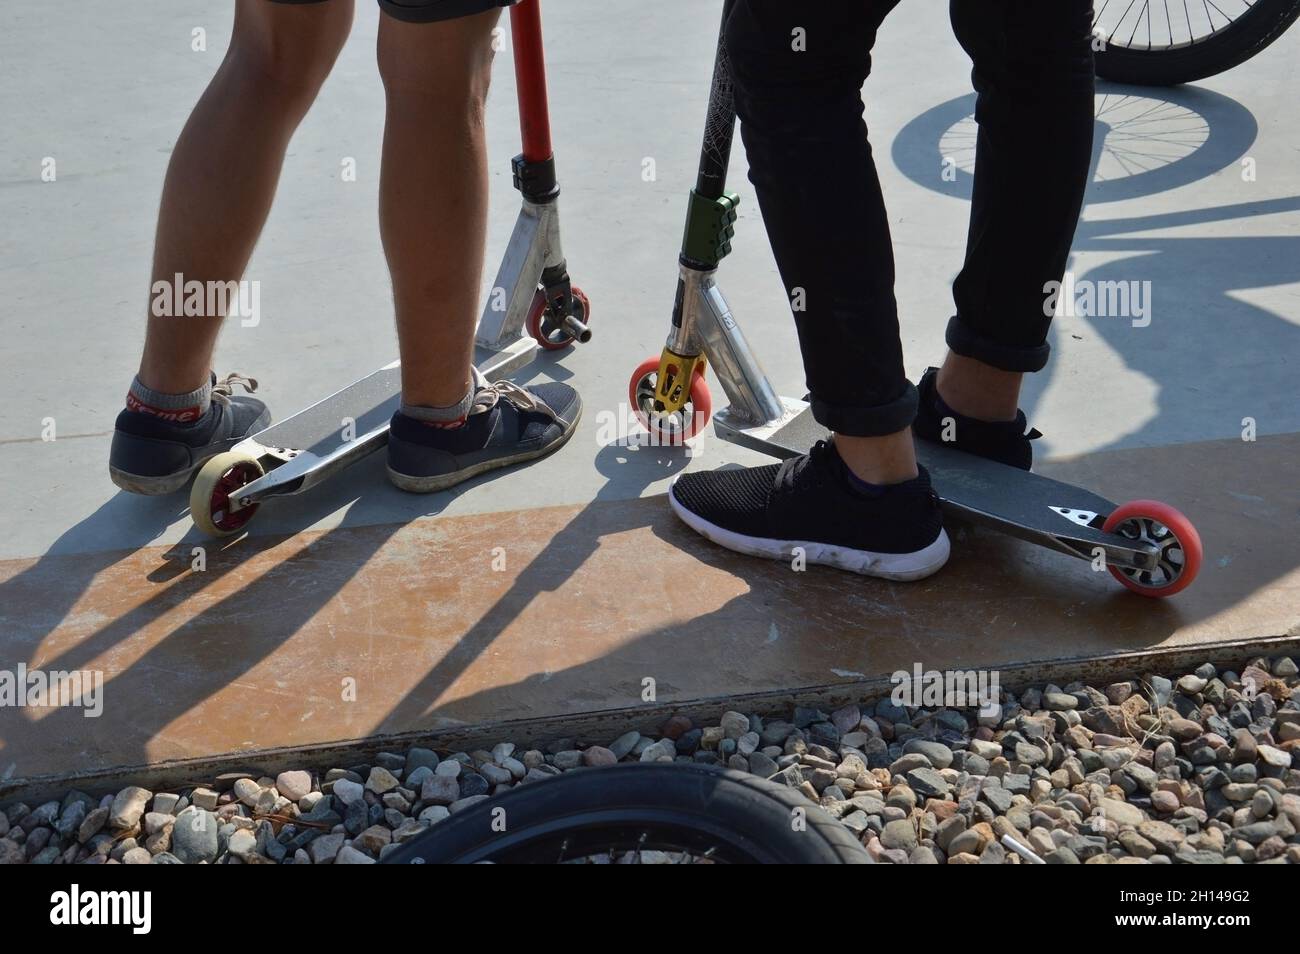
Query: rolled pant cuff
{"type": "Point", "coordinates": [963, 340]}
{"type": "Point", "coordinates": [876, 421]}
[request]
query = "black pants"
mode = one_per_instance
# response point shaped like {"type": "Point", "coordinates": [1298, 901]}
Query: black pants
{"type": "Point", "coordinates": [811, 166]}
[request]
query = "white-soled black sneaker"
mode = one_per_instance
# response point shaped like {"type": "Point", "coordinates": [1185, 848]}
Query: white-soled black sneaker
{"type": "Point", "coordinates": [807, 502]}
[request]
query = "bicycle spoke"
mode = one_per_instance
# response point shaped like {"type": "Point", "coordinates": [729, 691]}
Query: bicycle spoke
{"type": "Point", "coordinates": [1155, 27]}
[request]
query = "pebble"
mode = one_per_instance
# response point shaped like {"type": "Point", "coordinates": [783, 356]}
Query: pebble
{"type": "Point", "coordinates": [1164, 836]}
{"type": "Point", "coordinates": [899, 834]}
{"type": "Point", "coordinates": [624, 744]}
{"type": "Point", "coordinates": [347, 791]}
{"type": "Point", "coordinates": [927, 783]}
{"type": "Point", "coordinates": [464, 803]}
{"type": "Point", "coordinates": [908, 762]}
{"type": "Point", "coordinates": [242, 843]}
{"type": "Point", "coordinates": [598, 755]}
{"type": "Point", "coordinates": [381, 780]}
{"type": "Point", "coordinates": [985, 749]}
{"type": "Point", "coordinates": [247, 791]}
{"type": "Point", "coordinates": [91, 824]}
{"type": "Point", "coordinates": [1164, 802]}
{"type": "Point", "coordinates": [1059, 701]}
{"type": "Point", "coordinates": [350, 856]}
{"type": "Point", "coordinates": [1275, 757]}
{"type": "Point", "coordinates": [1148, 771]}
{"type": "Point", "coordinates": [938, 754]}
{"type": "Point", "coordinates": [440, 789]}
{"type": "Point", "coordinates": [471, 784]}
{"type": "Point", "coordinates": [734, 724]}
{"type": "Point", "coordinates": [128, 807]}
{"type": "Point", "coordinates": [494, 774]}
{"type": "Point", "coordinates": [293, 785]}
{"type": "Point", "coordinates": [434, 813]}
{"type": "Point", "coordinates": [322, 850]}
{"type": "Point", "coordinates": [194, 836]}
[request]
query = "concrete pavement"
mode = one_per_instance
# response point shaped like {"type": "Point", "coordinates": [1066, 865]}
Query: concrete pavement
{"type": "Point", "coordinates": [361, 577]}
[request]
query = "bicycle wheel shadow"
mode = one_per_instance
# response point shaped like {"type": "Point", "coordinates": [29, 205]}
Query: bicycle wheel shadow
{"type": "Point", "coordinates": [1208, 361]}
{"type": "Point", "coordinates": [1150, 141]}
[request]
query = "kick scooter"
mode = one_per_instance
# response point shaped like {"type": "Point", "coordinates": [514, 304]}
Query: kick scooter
{"type": "Point", "coordinates": [1146, 545]}
{"type": "Point", "coordinates": [532, 293]}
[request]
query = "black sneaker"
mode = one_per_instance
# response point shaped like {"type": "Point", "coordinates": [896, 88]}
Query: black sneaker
{"type": "Point", "coordinates": [1004, 441]}
{"type": "Point", "coordinates": [806, 502]}
{"type": "Point", "coordinates": [506, 425]}
{"type": "Point", "coordinates": [151, 455]}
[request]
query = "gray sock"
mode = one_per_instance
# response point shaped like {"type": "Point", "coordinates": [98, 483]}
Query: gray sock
{"type": "Point", "coordinates": [189, 406]}
{"type": "Point", "coordinates": [452, 415]}
{"type": "Point", "coordinates": [449, 416]}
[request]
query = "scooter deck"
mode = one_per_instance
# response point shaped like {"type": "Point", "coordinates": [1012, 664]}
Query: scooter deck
{"type": "Point", "coordinates": [1020, 503]}
{"type": "Point", "coordinates": [305, 448]}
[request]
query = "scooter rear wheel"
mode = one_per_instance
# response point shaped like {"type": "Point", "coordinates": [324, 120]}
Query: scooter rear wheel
{"type": "Point", "coordinates": [216, 482]}
{"type": "Point", "coordinates": [672, 429]}
{"type": "Point", "coordinates": [1151, 521]}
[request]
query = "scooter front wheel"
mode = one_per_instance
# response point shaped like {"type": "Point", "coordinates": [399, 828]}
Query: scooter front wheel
{"type": "Point", "coordinates": [550, 334]}
{"type": "Point", "coordinates": [670, 428]}
{"type": "Point", "coordinates": [1156, 523]}
{"type": "Point", "coordinates": [216, 482]}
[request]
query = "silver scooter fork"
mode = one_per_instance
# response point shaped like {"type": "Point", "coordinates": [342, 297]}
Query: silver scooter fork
{"type": "Point", "coordinates": [532, 292]}
{"type": "Point", "coordinates": [707, 326]}
{"type": "Point", "coordinates": [703, 328]}
{"type": "Point", "coordinates": [532, 286]}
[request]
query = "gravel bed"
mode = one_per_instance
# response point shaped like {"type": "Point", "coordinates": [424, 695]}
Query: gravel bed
{"type": "Point", "coordinates": [1197, 768]}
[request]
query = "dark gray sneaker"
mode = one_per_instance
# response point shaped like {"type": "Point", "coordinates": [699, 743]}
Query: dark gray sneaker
{"type": "Point", "coordinates": [506, 425]}
{"type": "Point", "coordinates": [152, 455]}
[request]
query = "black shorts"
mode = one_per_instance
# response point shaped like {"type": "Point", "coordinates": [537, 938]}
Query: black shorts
{"type": "Point", "coordinates": [427, 11]}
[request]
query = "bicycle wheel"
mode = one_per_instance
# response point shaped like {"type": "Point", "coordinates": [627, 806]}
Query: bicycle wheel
{"type": "Point", "coordinates": [701, 813]}
{"type": "Point", "coordinates": [1167, 42]}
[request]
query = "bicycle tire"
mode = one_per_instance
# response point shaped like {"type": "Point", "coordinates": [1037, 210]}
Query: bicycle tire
{"type": "Point", "coordinates": [1234, 44]}
{"type": "Point", "coordinates": [745, 818]}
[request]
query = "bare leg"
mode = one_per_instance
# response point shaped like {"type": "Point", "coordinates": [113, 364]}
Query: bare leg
{"type": "Point", "coordinates": [225, 166]}
{"type": "Point", "coordinates": [433, 195]}
{"type": "Point", "coordinates": [890, 459]}
{"type": "Point", "coordinates": [975, 389]}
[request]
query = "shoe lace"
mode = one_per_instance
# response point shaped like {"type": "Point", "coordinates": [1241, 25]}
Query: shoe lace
{"type": "Point", "coordinates": [224, 389]}
{"type": "Point", "coordinates": [811, 467]}
{"type": "Point", "coordinates": [486, 396]}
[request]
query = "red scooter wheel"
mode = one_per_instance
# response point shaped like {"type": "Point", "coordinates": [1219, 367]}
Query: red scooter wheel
{"type": "Point", "coordinates": [679, 426]}
{"type": "Point", "coordinates": [549, 335]}
{"type": "Point", "coordinates": [1151, 521]}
